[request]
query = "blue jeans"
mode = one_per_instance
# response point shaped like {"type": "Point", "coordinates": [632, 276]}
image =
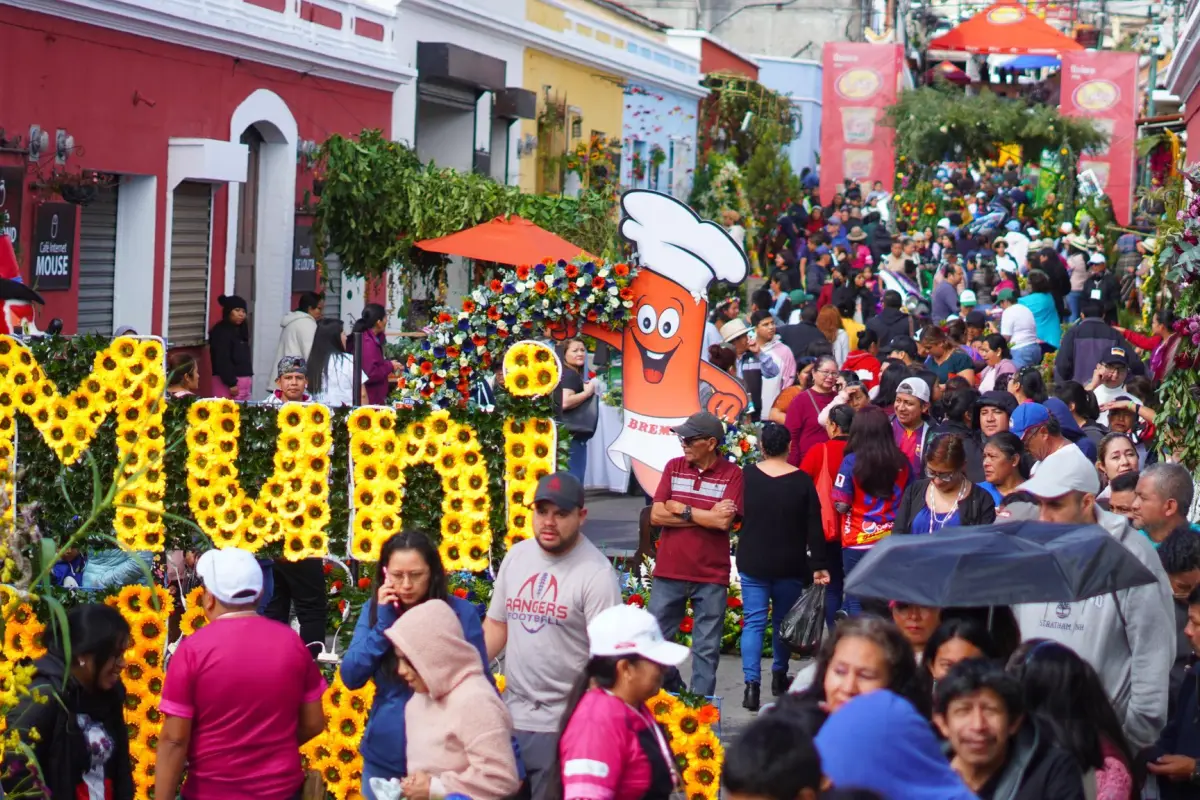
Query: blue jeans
{"type": "Point", "coordinates": [668, 604]}
{"type": "Point", "coordinates": [1073, 299]}
{"type": "Point", "coordinates": [833, 590]}
{"type": "Point", "coordinates": [850, 559]}
{"type": "Point", "coordinates": [268, 584]}
{"type": "Point", "coordinates": [577, 458]}
{"type": "Point", "coordinates": [1028, 355]}
{"type": "Point", "coordinates": [781, 594]}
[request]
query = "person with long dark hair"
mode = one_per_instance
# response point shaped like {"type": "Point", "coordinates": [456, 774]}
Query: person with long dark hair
{"type": "Point", "coordinates": [958, 417]}
{"type": "Point", "coordinates": [996, 361]}
{"type": "Point", "coordinates": [372, 325]}
{"type": "Point", "coordinates": [331, 369]}
{"type": "Point", "coordinates": [868, 487]}
{"type": "Point", "coordinates": [575, 390]}
{"type": "Point", "coordinates": [1084, 408]}
{"type": "Point", "coordinates": [946, 496]}
{"type": "Point", "coordinates": [229, 351]}
{"type": "Point", "coordinates": [891, 373]}
{"type": "Point", "coordinates": [957, 639]}
{"type": "Point", "coordinates": [77, 732]}
{"type": "Point", "coordinates": [802, 418]}
{"type": "Point", "coordinates": [781, 527]}
{"type": "Point", "coordinates": [610, 745]}
{"type": "Point", "coordinates": [408, 573]}
{"type": "Point", "coordinates": [1065, 698]}
{"type": "Point", "coordinates": [1028, 386]}
{"type": "Point", "coordinates": [183, 375]}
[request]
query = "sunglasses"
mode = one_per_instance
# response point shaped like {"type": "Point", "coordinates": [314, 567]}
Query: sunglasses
{"type": "Point", "coordinates": [691, 440]}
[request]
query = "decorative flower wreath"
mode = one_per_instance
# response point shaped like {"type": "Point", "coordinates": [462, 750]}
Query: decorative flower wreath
{"type": "Point", "coordinates": [513, 306]}
{"type": "Point", "coordinates": [698, 751]}
{"type": "Point", "coordinates": [294, 503]}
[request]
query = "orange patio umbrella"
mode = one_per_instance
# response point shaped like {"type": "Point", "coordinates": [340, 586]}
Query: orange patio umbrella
{"type": "Point", "coordinates": [1005, 28]}
{"type": "Point", "coordinates": [507, 241]}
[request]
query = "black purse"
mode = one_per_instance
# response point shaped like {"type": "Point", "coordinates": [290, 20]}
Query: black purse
{"type": "Point", "coordinates": [581, 420]}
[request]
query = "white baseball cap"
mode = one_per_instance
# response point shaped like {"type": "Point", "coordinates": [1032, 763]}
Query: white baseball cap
{"type": "Point", "coordinates": [944, 222]}
{"type": "Point", "coordinates": [1097, 258]}
{"type": "Point", "coordinates": [967, 298]}
{"type": "Point", "coordinates": [232, 575]}
{"type": "Point", "coordinates": [626, 630]}
{"type": "Point", "coordinates": [1066, 227]}
{"type": "Point", "coordinates": [916, 387]}
{"type": "Point", "coordinates": [1065, 470]}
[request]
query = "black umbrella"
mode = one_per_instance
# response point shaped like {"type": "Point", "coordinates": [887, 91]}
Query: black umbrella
{"type": "Point", "coordinates": [998, 565]}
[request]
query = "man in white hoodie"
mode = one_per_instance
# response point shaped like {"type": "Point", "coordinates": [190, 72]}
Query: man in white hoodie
{"type": "Point", "coordinates": [1127, 636]}
{"type": "Point", "coordinates": [299, 327]}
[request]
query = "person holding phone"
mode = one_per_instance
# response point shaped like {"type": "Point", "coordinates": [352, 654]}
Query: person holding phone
{"type": "Point", "coordinates": [409, 572]}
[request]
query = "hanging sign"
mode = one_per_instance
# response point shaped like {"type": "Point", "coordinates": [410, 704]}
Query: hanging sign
{"type": "Point", "coordinates": [52, 254]}
{"type": "Point", "coordinates": [304, 260]}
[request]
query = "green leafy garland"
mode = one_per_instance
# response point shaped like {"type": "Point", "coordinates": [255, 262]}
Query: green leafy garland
{"type": "Point", "coordinates": [379, 200]}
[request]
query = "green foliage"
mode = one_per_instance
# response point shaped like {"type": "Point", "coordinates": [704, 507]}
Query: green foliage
{"type": "Point", "coordinates": [379, 199]}
{"type": "Point", "coordinates": [723, 116]}
{"type": "Point", "coordinates": [936, 123]}
{"type": "Point", "coordinates": [768, 177]}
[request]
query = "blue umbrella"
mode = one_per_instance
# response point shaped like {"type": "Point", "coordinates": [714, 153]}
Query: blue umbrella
{"type": "Point", "coordinates": [1032, 62]}
{"type": "Point", "coordinates": [998, 565]}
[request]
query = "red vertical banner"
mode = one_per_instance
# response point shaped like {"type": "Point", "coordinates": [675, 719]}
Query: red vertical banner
{"type": "Point", "coordinates": [1102, 86]}
{"type": "Point", "coordinates": [859, 81]}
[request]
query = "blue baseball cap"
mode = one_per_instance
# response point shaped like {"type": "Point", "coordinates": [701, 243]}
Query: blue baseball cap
{"type": "Point", "coordinates": [822, 250]}
{"type": "Point", "coordinates": [1028, 415]}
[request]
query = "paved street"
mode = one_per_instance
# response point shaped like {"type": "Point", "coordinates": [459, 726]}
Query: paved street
{"type": "Point", "coordinates": [612, 526]}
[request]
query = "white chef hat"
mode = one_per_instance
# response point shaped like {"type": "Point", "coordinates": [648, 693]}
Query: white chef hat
{"type": "Point", "coordinates": [674, 242]}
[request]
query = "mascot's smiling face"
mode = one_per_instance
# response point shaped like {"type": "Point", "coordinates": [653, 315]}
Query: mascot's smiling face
{"type": "Point", "coordinates": [656, 334]}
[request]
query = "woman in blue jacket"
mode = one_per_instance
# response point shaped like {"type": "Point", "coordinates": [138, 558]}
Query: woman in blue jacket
{"type": "Point", "coordinates": [409, 573]}
{"type": "Point", "coordinates": [1041, 303]}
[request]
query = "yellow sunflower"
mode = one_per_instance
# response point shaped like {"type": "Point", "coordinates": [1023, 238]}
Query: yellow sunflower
{"type": "Point", "coordinates": [683, 724]}
{"type": "Point", "coordinates": [701, 777]}
{"type": "Point", "coordinates": [662, 705]}
{"type": "Point", "coordinates": [705, 747]}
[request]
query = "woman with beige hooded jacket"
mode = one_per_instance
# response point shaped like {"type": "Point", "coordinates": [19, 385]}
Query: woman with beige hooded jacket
{"type": "Point", "coordinates": [460, 732]}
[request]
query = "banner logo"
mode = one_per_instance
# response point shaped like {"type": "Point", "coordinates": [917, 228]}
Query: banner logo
{"type": "Point", "coordinates": [1096, 95]}
{"type": "Point", "coordinates": [1006, 15]}
{"type": "Point", "coordinates": [859, 84]}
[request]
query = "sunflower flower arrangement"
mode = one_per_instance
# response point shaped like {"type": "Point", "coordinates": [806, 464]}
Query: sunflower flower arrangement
{"type": "Point", "coordinates": [381, 452]}
{"type": "Point", "coordinates": [129, 372]}
{"type": "Point", "coordinates": [531, 369]}
{"type": "Point", "coordinates": [146, 610]}
{"type": "Point", "coordinates": [530, 447]}
{"type": "Point", "coordinates": [334, 753]}
{"type": "Point", "coordinates": [293, 505]}
{"type": "Point", "coordinates": [24, 634]}
{"type": "Point", "coordinates": [690, 721]}
{"type": "Point", "coordinates": [193, 614]}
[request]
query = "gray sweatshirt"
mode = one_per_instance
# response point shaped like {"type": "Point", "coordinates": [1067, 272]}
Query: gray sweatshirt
{"type": "Point", "coordinates": [1133, 659]}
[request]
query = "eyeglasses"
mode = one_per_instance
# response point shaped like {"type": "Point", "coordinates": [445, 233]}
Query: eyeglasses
{"type": "Point", "coordinates": [825, 372]}
{"type": "Point", "coordinates": [691, 440]}
{"type": "Point", "coordinates": [941, 476]}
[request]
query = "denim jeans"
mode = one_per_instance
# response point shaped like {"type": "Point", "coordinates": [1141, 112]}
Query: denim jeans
{"type": "Point", "coordinates": [371, 771]}
{"type": "Point", "coordinates": [1073, 299]}
{"type": "Point", "coordinates": [668, 604]}
{"type": "Point", "coordinates": [268, 584]}
{"type": "Point", "coordinates": [577, 458]}
{"type": "Point", "coordinates": [833, 590]}
{"type": "Point", "coordinates": [850, 558]}
{"type": "Point", "coordinates": [1028, 355]}
{"type": "Point", "coordinates": [781, 594]}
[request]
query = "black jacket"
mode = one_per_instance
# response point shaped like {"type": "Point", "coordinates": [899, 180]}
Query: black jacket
{"type": "Point", "coordinates": [888, 323]}
{"type": "Point", "coordinates": [1084, 344]}
{"type": "Point", "coordinates": [1035, 769]}
{"type": "Point", "coordinates": [229, 347]}
{"type": "Point", "coordinates": [1181, 737]}
{"type": "Point", "coordinates": [800, 336]}
{"type": "Point", "coordinates": [62, 751]}
{"type": "Point", "coordinates": [977, 508]}
{"type": "Point", "coordinates": [1110, 293]}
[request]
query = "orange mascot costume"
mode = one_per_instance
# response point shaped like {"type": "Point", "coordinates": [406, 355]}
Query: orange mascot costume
{"type": "Point", "coordinates": [679, 255]}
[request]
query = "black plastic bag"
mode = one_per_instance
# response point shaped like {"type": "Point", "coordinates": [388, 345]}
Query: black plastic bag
{"type": "Point", "coordinates": [804, 625]}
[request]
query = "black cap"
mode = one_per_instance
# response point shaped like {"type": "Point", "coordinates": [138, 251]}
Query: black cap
{"type": "Point", "coordinates": [562, 488]}
{"type": "Point", "coordinates": [703, 424]}
{"type": "Point", "coordinates": [976, 318]}
{"type": "Point", "coordinates": [904, 344]}
{"type": "Point", "coordinates": [1115, 355]}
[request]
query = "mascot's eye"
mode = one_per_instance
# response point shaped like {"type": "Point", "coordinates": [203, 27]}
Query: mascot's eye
{"type": "Point", "coordinates": [668, 323]}
{"type": "Point", "coordinates": [647, 318]}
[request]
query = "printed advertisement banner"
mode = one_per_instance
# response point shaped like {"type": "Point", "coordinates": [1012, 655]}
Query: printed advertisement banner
{"type": "Point", "coordinates": [860, 81]}
{"type": "Point", "coordinates": [1102, 86]}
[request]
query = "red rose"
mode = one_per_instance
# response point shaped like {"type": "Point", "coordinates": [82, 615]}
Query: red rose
{"type": "Point", "coordinates": [522, 272]}
{"type": "Point", "coordinates": [328, 568]}
{"type": "Point", "coordinates": [337, 585]}
{"type": "Point", "coordinates": [540, 287]}
{"type": "Point", "coordinates": [686, 625]}
{"type": "Point", "coordinates": [495, 286]}
{"type": "Point", "coordinates": [364, 583]}
{"type": "Point", "coordinates": [460, 593]}
{"type": "Point", "coordinates": [341, 606]}
{"type": "Point", "coordinates": [635, 600]}
{"type": "Point", "coordinates": [734, 602]}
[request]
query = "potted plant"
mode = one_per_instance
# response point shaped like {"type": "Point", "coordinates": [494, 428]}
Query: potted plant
{"type": "Point", "coordinates": [79, 188]}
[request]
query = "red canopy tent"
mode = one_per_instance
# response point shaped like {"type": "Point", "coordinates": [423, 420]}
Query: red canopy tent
{"type": "Point", "coordinates": [1006, 28]}
{"type": "Point", "coordinates": [507, 241]}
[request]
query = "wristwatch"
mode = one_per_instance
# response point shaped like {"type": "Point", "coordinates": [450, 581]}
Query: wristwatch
{"type": "Point", "coordinates": [686, 514]}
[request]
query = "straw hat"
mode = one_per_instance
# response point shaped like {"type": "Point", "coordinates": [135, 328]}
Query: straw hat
{"type": "Point", "coordinates": [856, 234]}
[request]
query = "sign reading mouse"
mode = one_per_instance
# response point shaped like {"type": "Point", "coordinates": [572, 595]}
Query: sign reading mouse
{"type": "Point", "coordinates": [53, 249]}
